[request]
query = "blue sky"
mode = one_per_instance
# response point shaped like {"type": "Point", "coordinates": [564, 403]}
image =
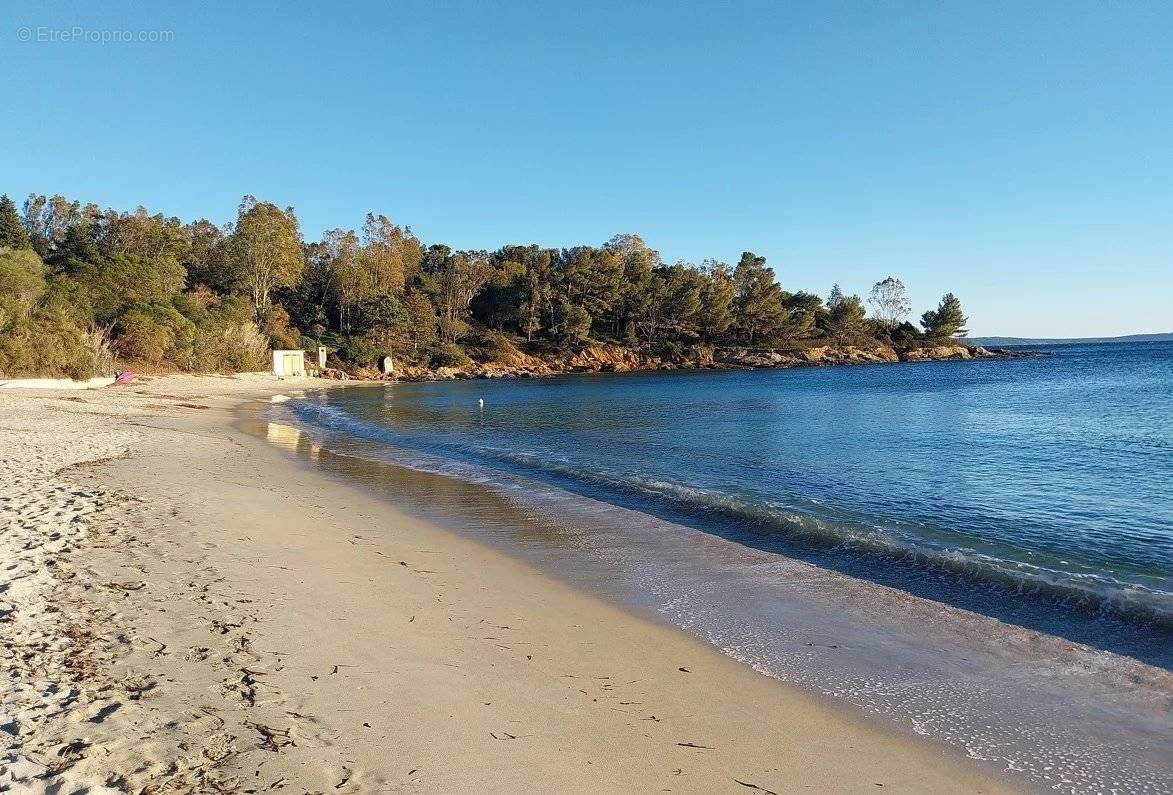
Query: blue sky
{"type": "Point", "coordinates": [1019, 154]}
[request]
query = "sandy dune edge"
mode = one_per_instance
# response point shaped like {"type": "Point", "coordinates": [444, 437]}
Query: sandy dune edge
{"type": "Point", "coordinates": [204, 615]}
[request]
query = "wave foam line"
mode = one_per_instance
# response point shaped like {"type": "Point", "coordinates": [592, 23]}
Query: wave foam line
{"type": "Point", "coordinates": [1094, 593]}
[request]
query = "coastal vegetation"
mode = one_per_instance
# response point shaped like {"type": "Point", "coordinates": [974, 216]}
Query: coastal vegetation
{"type": "Point", "coordinates": [81, 286]}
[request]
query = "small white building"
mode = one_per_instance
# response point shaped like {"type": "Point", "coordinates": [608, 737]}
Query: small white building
{"type": "Point", "coordinates": [288, 363]}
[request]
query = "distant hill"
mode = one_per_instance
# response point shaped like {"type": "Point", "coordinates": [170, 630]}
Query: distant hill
{"type": "Point", "coordinates": [994, 342]}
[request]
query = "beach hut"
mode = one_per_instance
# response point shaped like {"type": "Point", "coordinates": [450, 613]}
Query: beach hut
{"type": "Point", "coordinates": [287, 363]}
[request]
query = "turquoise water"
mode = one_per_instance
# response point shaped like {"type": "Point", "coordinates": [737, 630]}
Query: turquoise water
{"type": "Point", "coordinates": [853, 529]}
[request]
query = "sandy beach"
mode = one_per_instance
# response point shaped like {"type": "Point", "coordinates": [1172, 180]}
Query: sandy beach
{"type": "Point", "coordinates": [187, 609]}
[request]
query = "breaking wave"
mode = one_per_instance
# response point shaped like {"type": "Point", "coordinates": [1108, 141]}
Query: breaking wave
{"type": "Point", "coordinates": [882, 545]}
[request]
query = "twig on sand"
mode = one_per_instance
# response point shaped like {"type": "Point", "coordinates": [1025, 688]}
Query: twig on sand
{"type": "Point", "coordinates": [272, 739]}
{"type": "Point", "coordinates": [126, 586]}
{"type": "Point", "coordinates": [694, 745]}
{"type": "Point", "coordinates": [755, 786]}
{"type": "Point", "coordinates": [208, 711]}
{"type": "Point", "coordinates": [159, 652]}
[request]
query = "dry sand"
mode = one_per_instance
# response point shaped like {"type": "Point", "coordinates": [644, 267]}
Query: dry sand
{"type": "Point", "coordinates": [184, 609]}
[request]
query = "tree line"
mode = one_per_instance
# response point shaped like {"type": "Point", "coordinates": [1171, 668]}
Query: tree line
{"type": "Point", "coordinates": [79, 285]}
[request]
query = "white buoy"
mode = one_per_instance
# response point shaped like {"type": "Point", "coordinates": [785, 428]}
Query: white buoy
{"type": "Point", "coordinates": [481, 402]}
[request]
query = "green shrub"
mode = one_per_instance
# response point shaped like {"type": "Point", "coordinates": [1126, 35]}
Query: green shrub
{"type": "Point", "coordinates": [41, 333]}
{"type": "Point", "coordinates": [379, 313]}
{"type": "Point", "coordinates": [905, 335]}
{"type": "Point", "coordinates": [282, 336]}
{"type": "Point", "coordinates": [107, 287]}
{"type": "Point", "coordinates": [230, 348]}
{"type": "Point", "coordinates": [154, 332]}
{"type": "Point", "coordinates": [699, 352]}
{"type": "Point", "coordinates": [446, 354]}
{"type": "Point", "coordinates": [22, 276]}
{"type": "Point", "coordinates": [195, 303]}
{"type": "Point", "coordinates": [359, 351]}
{"type": "Point", "coordinates": [576, 323]}
{"type": "Point", "coordinates": [47, 342]}
{"type": "Point", "coordinates": [140, 336]}
{"type": "Point", "coordinates": [670, 351]}
{"type": "Point", "coordinates": [492, 346]}
{"type": "Point", "coordinates": [227, 340]}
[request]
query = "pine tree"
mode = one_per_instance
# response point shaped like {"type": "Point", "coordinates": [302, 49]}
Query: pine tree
{"type": "Point", "coordinates": [760, 313]}
{"type": "Point", "coordinates": [845, 315]}
{"type": "Point", "coordinates": [716, 314]}
{"type": "Point", "coordinates": [946, 320]}
{"type": "Point", "coordinates": [12, 231]}
{"type": "Point", "coordinates": [76, 248]}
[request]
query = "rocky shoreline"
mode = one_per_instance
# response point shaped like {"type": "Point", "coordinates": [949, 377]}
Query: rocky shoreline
{"type": "Point", "coordinates": [610, 358]}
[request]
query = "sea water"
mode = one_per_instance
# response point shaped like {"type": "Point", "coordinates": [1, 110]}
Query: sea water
{"type": "Point", "coordinates": [979, 552]}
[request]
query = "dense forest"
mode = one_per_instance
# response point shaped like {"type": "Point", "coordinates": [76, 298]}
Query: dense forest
{"type": "Point", "coordinates": [82, 287]}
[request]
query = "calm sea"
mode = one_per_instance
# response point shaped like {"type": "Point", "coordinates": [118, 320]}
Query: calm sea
{"type": "Point", "coordinates": [981, 551]}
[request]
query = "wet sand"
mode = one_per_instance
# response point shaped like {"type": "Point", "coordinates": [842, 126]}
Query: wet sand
{"type": "Point", "coordinates": [189, 610]}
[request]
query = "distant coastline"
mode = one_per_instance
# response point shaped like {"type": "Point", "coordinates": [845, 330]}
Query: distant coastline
{"type": "Point", "coordinates": [999, 341]}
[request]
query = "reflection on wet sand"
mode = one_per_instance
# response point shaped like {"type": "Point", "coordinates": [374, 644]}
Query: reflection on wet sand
{"type": "Point", "coordinates": [458, 504]}
{"type": "Point", "coordinates": [292, 440]}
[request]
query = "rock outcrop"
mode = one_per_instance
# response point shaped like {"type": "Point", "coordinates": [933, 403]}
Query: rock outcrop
{"type": "Point", "coordinates": [611, 358]}
{"type": "Point", "coordinates": [942, 353]}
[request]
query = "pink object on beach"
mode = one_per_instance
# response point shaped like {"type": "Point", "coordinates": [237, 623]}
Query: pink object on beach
{"type": "Point", "coordinates": [123, 377]}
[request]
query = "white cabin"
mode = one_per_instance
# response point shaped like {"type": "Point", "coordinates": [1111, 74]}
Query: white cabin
{"type": "Point", "coordinates": [288, 363]}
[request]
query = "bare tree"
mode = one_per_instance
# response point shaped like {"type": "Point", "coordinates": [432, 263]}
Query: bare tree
{"type": "Point", "coordinates": [890, 302]}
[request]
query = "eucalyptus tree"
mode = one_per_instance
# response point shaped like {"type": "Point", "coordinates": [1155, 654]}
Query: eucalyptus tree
{"type": "Point", "coordinates": [349, 280]}
{"type": "Point", "coordinates": [464, 273]}
{"type": "Point", "coordinates": [265, 251]}
{"type": "Point", "coordinates": [890, 302]}
{"type": "Point", "coordinates": [420, 328]}
{"type": "Point", "coordinates": [390, 254]}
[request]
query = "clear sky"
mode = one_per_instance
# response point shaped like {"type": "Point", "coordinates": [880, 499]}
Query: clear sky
{"type": "Point", "coordinates": [1018, 153]}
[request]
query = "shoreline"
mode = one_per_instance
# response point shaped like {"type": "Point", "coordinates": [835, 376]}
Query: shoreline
{"type": "Point", "coordinates": [605, 357]}
{"type": "Point", "coordinates": [594, 358]}
{"type": "Point", "coordinates": [259, 623]}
